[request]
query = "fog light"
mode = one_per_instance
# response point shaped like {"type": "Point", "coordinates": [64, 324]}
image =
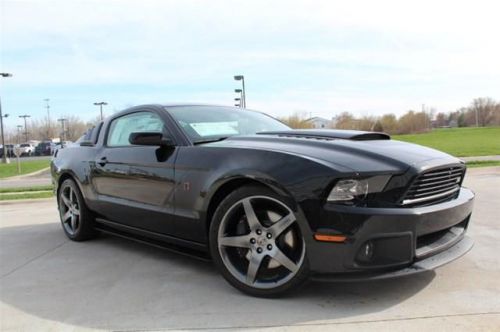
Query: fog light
{"type": "Point", "coordinates": [365, 254]}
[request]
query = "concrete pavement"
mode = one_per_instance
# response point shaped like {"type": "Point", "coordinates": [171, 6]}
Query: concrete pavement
{"type": "Point", "coordinates": [50, 283]}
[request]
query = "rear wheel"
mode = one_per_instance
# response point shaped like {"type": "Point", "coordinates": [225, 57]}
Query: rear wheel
{"type": "Point", "coordinates": [256, 243]}
{"type": "Point", "coordinates": [76, 219]}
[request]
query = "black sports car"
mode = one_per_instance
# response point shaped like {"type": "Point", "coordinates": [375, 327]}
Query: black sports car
{"type": "Point", "coordinates": [269, 205]}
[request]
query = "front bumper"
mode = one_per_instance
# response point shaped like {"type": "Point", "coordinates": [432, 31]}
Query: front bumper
{"type": "Point", "coordinates": [402, 241]}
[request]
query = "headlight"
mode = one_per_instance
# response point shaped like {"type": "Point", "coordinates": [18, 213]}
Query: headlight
{"type": "Point", "coordinates": [346, 190]}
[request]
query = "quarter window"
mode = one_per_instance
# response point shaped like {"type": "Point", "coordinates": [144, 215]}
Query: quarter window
{"type": "Point", "coordinates": [122, 127]}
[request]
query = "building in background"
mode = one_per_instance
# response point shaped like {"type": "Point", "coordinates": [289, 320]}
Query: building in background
{"type": "Point", "coordinates": [321, 123]}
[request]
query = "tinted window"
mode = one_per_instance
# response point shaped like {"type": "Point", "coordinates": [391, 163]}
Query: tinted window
{"type": "Point", "coordinates": [121, 128]}
{"type": "Point", "coordinates": [211, 122]}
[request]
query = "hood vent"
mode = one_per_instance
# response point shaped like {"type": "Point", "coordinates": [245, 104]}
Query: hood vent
{"type": "Point", "coordinates": [354, 135]}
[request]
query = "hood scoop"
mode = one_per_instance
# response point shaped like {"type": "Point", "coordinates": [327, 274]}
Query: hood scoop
{"type": "Point", "coordinates": [328, 134]}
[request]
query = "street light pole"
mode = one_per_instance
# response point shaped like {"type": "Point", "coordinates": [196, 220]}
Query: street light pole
{"type": "Point", "coordinates": [48, 117]}
{"type": "Point", "coordinates": [5, 160]}
{"type": "Point", "coordinates": [19, 134]}
{"type": "Point", "coordinates": [62, 120]}
{"type": "Point", "coordinates": [240, 96]}
{"type": "Point", "coordinates": [25, 125]}
{"type": "Point", "coordinates": [100, 105]}
{"type": "Point", "coordinates": [243, 93]}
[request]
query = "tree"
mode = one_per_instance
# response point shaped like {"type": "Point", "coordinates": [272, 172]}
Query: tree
{"type": "Point", "coordinates": [414, 122]}
{"type": "Point", "coordinates": [366, 123]}
{"type": "Point", "coordinates": [346, 121]}
{"type": "Point", "coordinates": [483, 110]}
{"type": "Point", "coordinates": [297, 121]}
{"type": "Point", "coordinates": [441, 120]}
{"type": "Point", "coordinates": [390, 123]}
{"type": "Point", "coordinates": [74, 128]}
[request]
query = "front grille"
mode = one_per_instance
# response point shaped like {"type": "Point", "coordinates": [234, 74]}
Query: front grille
{"type": "Point", "coordinates": [434, 186]}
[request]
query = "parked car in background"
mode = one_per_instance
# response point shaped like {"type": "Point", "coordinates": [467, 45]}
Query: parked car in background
{"type": "Point", "coordinates": [27, 149]}
{"type": "Point", "coordinates": [10, 150]}
{"type": "Point", "coordinates": [44, 148]}
{"type": "Point", "coordinates": [60, 145]}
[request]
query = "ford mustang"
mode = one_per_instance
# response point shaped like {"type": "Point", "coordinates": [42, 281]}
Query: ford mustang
{"type": "Point", "coordinates": [270, 206]}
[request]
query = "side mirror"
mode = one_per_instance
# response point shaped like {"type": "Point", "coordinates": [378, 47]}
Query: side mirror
{"type": "Point", "coordinates": [86, 143]}
{"type": "Point", "coordinates": [150, 139]}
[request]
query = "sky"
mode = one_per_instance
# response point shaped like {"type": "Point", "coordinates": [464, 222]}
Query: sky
{"type": "Point", "coordinates": [318, 58]}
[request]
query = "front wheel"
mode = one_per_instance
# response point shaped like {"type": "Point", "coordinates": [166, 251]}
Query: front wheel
{"type": "Point", "coordinates": [76, 219]}
{"type": "Point", "coordinates": [256, 243]}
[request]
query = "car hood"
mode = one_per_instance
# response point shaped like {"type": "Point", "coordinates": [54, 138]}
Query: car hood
{"type": "Point", "coordinates": [355, 150]}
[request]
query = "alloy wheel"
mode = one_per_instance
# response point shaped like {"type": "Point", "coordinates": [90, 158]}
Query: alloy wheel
{"type": "Point", "coordinates": [260, 242]}
{"type": "Point", "coordinates": [69, 209]}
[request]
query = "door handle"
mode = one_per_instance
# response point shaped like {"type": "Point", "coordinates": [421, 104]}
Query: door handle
{"type": "Point", "coordinates": [103, 161]}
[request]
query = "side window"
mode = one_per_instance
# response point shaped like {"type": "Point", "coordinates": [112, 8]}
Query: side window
{"type": "Point", "coordinates": [121, 128]}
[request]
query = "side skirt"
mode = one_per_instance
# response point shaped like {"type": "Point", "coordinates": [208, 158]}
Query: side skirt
{"type": "Point", "coordinates": [180, 246]}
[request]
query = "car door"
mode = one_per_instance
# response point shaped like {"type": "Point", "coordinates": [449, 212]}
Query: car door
{"type": "Point", "coordinates": [135, 184]}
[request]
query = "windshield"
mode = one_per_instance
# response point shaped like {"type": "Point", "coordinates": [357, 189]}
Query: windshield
{"type": "Point", "coordinates": [209, 123]}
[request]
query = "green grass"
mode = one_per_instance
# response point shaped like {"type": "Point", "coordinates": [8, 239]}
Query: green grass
{"type": "Point", "coordinates": [483, 163]}
{"type": "Point", "coordinates": [26, 195]}
{"type": "Point", "coordinates": [460, 142]}
{"type": "Point", "coordinates": [7, 170]}
{"type": "Point", "coordinates": [25, 189]}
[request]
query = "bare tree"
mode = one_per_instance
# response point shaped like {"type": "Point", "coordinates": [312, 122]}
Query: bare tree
{"type": "Point", "coordinates": [297, 121]}
{"type": "Point", "coordinates": [389, 123]}
{"type": "Point", "coordinates": [346, 121]}
{"type": "Point", "coordinates": [483, 110]}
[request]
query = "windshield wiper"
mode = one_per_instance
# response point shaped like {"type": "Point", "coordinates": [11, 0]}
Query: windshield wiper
{"type": "Point", "coordinates": [218, 139]}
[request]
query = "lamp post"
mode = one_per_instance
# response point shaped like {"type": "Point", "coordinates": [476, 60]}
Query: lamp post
{"type": "Point", "coordinates": [100, 105]}
{"type": "Point", "coordinates": [48, 117]}
{"type": "Point", "coordinates": [19, 134]}
{"type": "Point", "coordinates": [25, 125]}
{"type": "Point", "coordinates": [243, 93]}
{"type": "Point", "coordinates": [62, 120]}
{"type": "Point", "coordinates": [5, 160]}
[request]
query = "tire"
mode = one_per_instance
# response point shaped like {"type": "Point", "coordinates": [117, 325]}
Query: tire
{"type": "Point", "coordinates": [256, 243]}
{"type": "Point", "coordinates": [76, 219]}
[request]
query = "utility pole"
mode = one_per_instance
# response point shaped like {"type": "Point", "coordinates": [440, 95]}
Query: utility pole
{"type": "Point", "coordinates": [48, 117]}
{"type": "Point", "coordinates": [62, 120]}
{"type": "Point", "coordinates": [5, 160]}
{"type": "Point", "coordinates": [25, 125]}
{"type": "Point", "coordinates": [100, 105]}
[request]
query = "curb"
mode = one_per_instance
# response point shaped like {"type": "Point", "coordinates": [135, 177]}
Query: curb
{"type": "Point", "coordinates": [481, 158]}
{"type": "Point", "coordinates": [30, 200]}
{"type": "Point", "coordinates": [20, 177]}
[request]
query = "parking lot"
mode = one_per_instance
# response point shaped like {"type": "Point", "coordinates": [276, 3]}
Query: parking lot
{"type": "Point", "coordinates": [49, 283]}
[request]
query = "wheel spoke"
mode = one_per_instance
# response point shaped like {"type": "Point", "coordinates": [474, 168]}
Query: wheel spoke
{"type": "Point", "coordinates": [66, 201]}
{"type": "Point", "coordinates": [73, 222]}
{"type": "Point", "coordinates": [252, 219]}
{"type": "Point", "coordinates": [66, 216]}
{"type": "Point", "coordinates": [253, 268]}
{"type": "Point", "coordinates": [281, 225]}
{"type": "Point", "coordinates": [71, 195]}
{"type": "Point", "coordinates": [242, 241]}
{"type": "Point", "coordinates": [281, 258]}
